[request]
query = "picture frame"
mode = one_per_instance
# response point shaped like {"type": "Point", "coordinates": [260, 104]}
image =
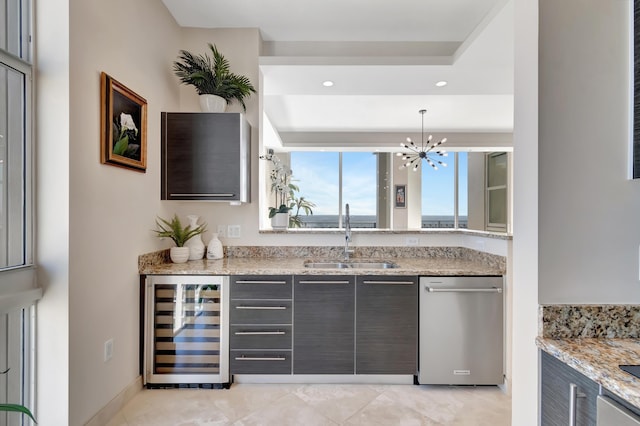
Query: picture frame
{"type": "Point", "coordinates": [123, 126]}
{"type": "Point", "coordinates": [401, 196]}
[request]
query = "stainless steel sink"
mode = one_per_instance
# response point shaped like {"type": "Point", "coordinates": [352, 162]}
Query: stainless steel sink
{"type": "Point", "coordinates": [350, 264]}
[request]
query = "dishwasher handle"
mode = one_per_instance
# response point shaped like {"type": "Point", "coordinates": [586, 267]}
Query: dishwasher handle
{"type": "Point", "coordinates": [462, 290]}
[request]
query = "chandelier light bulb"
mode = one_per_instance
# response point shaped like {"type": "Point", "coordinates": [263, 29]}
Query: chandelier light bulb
{"type": "Point", "coordinates": [424, 151]}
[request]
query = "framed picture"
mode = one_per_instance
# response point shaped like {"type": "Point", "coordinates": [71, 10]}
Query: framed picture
{"type": "Point", "coordinates": [123, 126]}
{"type": "Point", "coordinates": [401, 196]}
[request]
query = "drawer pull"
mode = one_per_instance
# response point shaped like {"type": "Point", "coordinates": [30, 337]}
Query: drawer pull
{"type": "Point", "coordinates": [324, 282]}
{"type": "Point", "coordinates": [263, 308]}
{"type": "Point", "coordinates": [258, 358]}
{"type": "Point", "coordinates": [201, 195]}
{"type": "Point", "coordinates": [390, 282]}
{"type": "Point", "coordinates": [259, 282]}
{"type": "Point", "coordinates": [259, 333]}
{"type": "Point", "coordinates": [462, 290]}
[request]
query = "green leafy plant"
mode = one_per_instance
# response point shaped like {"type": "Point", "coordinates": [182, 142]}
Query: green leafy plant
{"type": "Point", "coordinates": [212, 76]}
{"type": "Point", "coordinates": [173, 229]}
{"type": "Point", "coordinates": [17, 408]}
{"type": "Point", "coordinates": [285, 191]}
{"type": "Point", "coordinates": [297, 204]}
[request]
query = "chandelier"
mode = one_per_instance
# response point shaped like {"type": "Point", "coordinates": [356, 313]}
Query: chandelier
{"type": "Point", "coordinates": [424, 151]}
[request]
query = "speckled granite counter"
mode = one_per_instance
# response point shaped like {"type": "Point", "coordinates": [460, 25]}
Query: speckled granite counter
{"type": "Point", "coordinates": [290, 260]}
{"type": "Point", "coordinates": [295, 266]}
{"type": "Point", "coordinates": [599, 359]}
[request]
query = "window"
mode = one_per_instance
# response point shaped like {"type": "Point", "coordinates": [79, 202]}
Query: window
{"type": "Point", "coordinates": [15, 137]}
{"type": "Point", "coordinates": [496, 194]}
{"type": "Point", "coordinates": [16, 233]}
{"type": "Point", "coordinates": [332, 179]}
{"type": "Point", "coordinates": [441, 189]}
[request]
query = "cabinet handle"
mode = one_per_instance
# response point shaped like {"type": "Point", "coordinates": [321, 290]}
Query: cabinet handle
{"type": "Point", "coordinates": [202, 195]}
{"type": "Point", "coordinates": [390, 282]}
{"type": "Point", "coordinates": [259, 333]}
{"type": "Point", "coordinates": [259, 282]}
{"type": "Point", "coordinates": [257, 358]}
{"type": "Point", "coordinates": [324, 282]}
{"type": "Point", "coordinates": [463, 290]}
{"type": "Point", "coordinates": [573, 403]}
{"type": "Point", "coordinates": [264, 308]}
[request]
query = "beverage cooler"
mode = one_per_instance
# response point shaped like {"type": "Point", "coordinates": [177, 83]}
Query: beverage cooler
{"type": "Point", "coordinates": [186, 331]}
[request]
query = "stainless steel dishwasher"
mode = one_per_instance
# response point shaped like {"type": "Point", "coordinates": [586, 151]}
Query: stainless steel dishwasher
{"type": "Point", "coordinates": [461, 330]}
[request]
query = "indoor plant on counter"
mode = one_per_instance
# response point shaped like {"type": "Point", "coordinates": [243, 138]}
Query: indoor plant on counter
{"type": "Point", "coordinates": [180, 235]}
{"type": "Point", "coordinates": [286, 200]}
{"type": "Point", "coordinates": [213, 79]}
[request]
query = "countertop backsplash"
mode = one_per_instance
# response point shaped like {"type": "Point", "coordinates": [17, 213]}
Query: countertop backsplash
{"type": "Point", "coordinates": [589, 321]}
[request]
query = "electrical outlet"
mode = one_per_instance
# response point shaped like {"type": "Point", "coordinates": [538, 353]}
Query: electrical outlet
{"type": "Point", "coordinates": [108, 350]}
{"type": "Point", "coordinates": [412, 241]}
{"type": "Point", "coordinates": [233, 231]}
{"type": "Point", "coordinates": [222, 231]}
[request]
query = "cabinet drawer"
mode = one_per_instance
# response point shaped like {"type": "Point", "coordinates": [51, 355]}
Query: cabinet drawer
{"type": "Point", "coordinates": [260, 362]}
{"type": "Point", "coordinates": [260, 312]}
{"type": "Point", "coordinates": [260, 337]}
{"type": "Point", "coordinates": [261, 287]}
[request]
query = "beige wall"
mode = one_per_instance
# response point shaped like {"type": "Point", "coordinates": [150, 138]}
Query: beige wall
{"type": "Point", "coordinates": [589, 209]}
{"type": "Point", "coordinates": [111, 210]}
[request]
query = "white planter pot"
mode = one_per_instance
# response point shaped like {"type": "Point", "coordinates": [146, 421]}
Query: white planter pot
{"type": "Point", "coordinates": [212, 103]}
{"type": "Point", "coordinates": [179, 254]}
{"type": "Point", "coordinates": [280, 221]}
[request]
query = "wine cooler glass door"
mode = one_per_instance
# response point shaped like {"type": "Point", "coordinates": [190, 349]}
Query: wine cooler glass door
{"type": "Point", "coordinates": [187, 330]}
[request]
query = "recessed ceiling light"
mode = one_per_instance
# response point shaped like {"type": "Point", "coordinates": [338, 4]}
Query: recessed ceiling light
{"type": "Point", "coordinates": [327, 83]}
{"type": "Point", "coordinates": [441, 83]}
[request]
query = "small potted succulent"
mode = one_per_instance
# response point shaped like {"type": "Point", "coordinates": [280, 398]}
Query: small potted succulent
{"type": "Point", "coordinates": [180, 235]}
{"type": "Point", "coordinates": [213, 79]}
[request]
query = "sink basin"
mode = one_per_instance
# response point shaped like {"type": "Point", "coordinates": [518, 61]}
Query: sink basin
{"type": "Point", "coordinates": [350, 264]}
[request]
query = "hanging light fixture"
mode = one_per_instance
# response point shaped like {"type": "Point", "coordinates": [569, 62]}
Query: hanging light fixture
{"type": "Point", "coordinates": [424, 151]}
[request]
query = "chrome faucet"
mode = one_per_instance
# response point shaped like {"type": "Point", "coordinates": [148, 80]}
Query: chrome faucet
{"type": "Point", "coordinates": [347, 232]}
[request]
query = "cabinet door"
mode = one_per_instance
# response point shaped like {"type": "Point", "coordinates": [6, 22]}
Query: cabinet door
{"type": "Point", "coordinates": [205, 156]}
{"type": "Point", "coordinates": [386, 325]}
{"type": "Point", "coordinates": [556, 381]}
{"type": "Point", "coordinates": [323, 336]}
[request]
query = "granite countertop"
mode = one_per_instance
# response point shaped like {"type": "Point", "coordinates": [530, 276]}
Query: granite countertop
{"type": "Point", "coordinates": [295, 266]}
{"type": "Point", "coordinates": [598, 359]}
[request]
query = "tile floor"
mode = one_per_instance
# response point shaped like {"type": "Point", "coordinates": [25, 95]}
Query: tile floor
{"type": "Point", "coordinates": [309, 405]}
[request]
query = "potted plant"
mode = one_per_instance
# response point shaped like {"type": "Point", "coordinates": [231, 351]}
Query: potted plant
{"type": "Point", "coordinates": [180, 235]}
{"type": "Point", "coordinates": [285, 196]}
{"type": "Point", "coordinates": [16, 408]}
{"type": "Point", "coordinates": [213, 79]}
{"type": "Point", "coordinates": [297, 204]}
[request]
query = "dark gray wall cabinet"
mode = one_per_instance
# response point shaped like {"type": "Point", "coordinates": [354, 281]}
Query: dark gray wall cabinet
{"type": "Point", "coordinates": [260, 324]}
{"type": "Point", "coordinates": [386, 325]}
{"type": "Point", "coordinates": [324, 314]}
{"type": "Point", "coordinates": [557, 379]}
{"type": "Point", "coordinates": [205, 156]}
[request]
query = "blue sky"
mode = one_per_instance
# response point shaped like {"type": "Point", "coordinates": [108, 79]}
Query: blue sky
{"type": "Point", "coordinates": [316, 173]}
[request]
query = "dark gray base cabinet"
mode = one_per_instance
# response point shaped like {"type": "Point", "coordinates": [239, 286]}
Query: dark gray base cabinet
{"type": "Point", "coordinates": [386, 325]}
{"type": "Point", "coordinates": [556, 380]}
{"type": "Point", "coordinates": [324, 317]}
{"type": "Point", "coordinates": [260, 330]}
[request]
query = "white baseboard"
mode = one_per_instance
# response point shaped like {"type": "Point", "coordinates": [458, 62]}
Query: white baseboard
{"type": "Point", "coordinates": [107, 412]}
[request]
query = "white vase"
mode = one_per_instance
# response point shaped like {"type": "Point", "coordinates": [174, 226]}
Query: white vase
{"type": "Point", "coordinates": [280, 221]}
{"type": "Point", "coordinates": [212, 103]}
{"type": "Point", "coordinates": [214, 249]}
{"type": "Point", "coordinates": [179, 254]}
{"type": "Point", "coordinates": [195, 244]}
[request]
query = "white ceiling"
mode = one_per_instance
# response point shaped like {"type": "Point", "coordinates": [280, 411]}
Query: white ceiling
{"type": "Point", "coordinates": [392, 54]}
